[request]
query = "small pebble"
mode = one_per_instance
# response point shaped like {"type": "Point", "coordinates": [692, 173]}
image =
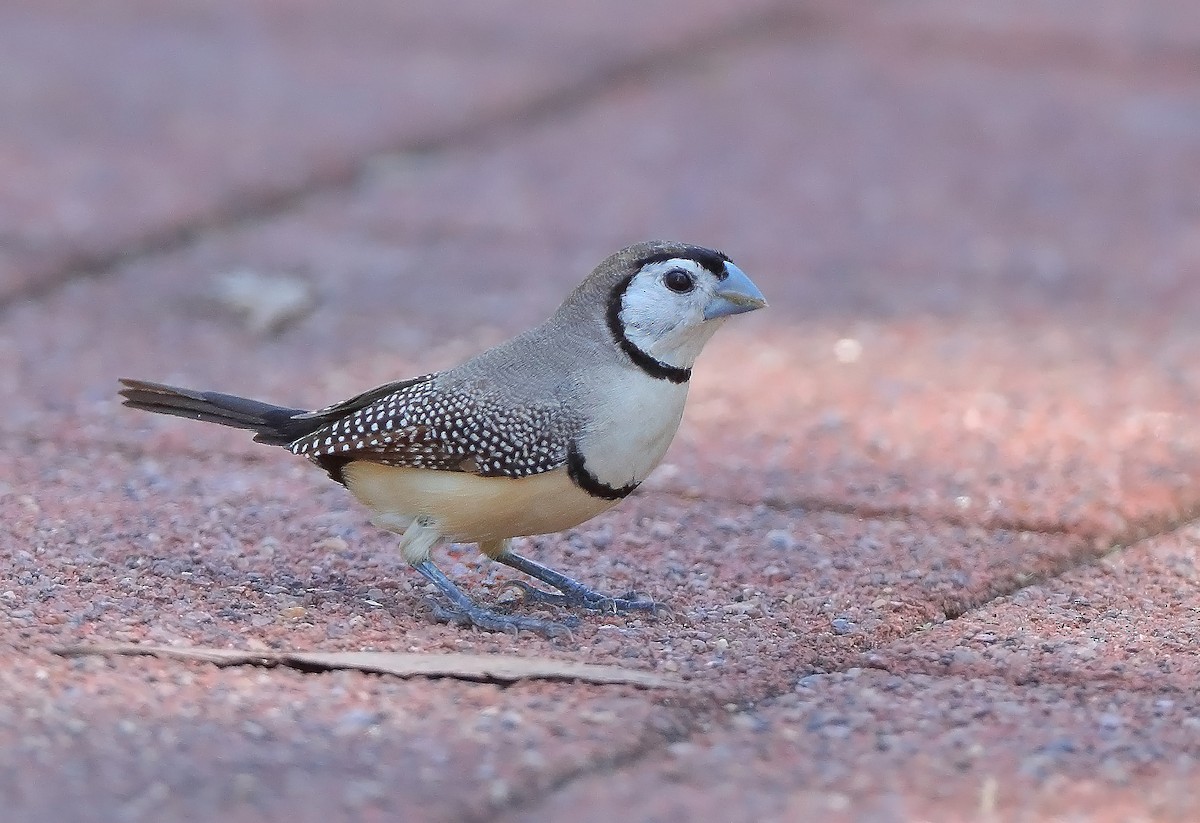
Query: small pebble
{"type": "Point", "coordinates": [781, 539]}
{"type": "Point", "coordinates": [841, 625]}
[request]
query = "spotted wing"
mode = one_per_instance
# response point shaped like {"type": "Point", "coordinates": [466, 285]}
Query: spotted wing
{"type": "Point", "coordinates": [424, 424]}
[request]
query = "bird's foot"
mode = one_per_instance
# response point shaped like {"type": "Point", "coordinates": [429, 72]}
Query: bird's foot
{"type": "Point", "coordinates": [491, 621]}
{"type": "Point", "coordinates": [466, 612]}
{"type": "Point", "coordinates": [579, 596]}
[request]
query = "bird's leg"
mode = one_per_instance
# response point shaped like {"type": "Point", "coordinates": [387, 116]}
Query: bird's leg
{"type": "Point", "coordinates": [573, 593]}
{"type": "Point", "coordinates": [418, 539]}
{"type": "Point", "coordinates": [467, 612]}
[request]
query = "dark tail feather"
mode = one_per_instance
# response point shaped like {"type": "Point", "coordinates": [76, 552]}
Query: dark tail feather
{"type": "Point", "coordinates": [274, 425]}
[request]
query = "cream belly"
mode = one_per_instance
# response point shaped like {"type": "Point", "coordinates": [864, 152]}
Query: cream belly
{"type": "Point", "coordinates": [466, 508]}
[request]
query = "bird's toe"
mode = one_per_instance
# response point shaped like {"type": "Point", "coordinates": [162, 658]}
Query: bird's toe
{"type": "Point", "coordinates": [492, 621]}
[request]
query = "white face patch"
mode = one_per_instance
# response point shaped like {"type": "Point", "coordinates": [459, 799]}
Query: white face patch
{"type": "Point", "coordinates": [669, 325]}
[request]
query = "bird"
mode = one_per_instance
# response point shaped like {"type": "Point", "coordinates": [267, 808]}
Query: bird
{"type": "Point", "coordinates": [535, 435]}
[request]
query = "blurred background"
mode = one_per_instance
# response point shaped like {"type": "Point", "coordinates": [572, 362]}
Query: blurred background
{"type": "Point", "coordinates": [978, 222]}
{"type": "Point", "coordinates": [1014, 146]}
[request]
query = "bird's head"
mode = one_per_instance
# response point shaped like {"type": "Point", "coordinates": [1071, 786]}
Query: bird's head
{"type": "Point", "coordinates": [664, 301]}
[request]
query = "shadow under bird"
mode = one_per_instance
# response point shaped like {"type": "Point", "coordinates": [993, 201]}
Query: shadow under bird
{"type": "Point", "coordinates": [533, 436]}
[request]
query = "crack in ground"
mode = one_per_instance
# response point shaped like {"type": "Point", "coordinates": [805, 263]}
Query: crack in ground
{"type": "Point", "coordinates": [1049, 679]}
{"type": "Point", "coordinates": [685, 724]}
{"type": "Point", "coordinates": [868, 511]}
{"type": "Point", "coordinates": [1047, 50]}
{"type": "Point", "coordinates": [252, 207]}
{"type": "Point", "coordinates": [1090, 555]}
{"type": "Point", "coordinates": [711, 717]}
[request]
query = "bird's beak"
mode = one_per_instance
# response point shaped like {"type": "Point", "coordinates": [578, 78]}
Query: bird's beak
{"type": "Point", "coordinates": [735, 294]}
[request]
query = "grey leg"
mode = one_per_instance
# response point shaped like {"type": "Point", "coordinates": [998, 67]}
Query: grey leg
{"type": "Point", "coordinates": [573, 593]}
{"type": "Point", "coordinates": [466, 611]}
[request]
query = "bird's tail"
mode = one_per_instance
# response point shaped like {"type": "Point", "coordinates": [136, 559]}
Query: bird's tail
{"type": "Point", "coordinates": [274, 425]}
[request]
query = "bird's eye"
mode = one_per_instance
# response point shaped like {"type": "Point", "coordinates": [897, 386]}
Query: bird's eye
{"type": "Point", "coordinates": [679, 281]}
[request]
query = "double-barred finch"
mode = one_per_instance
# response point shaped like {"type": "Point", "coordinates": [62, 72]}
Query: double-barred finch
{"type": "Point", "coordinates": [533, 436]}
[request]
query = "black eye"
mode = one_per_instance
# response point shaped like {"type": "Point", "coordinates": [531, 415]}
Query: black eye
{"type": "Point", "coordinates": [679, 281]}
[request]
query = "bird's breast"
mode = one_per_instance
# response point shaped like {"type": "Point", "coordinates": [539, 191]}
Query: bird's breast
{"type": "Point", "coordinates": [628, 431]}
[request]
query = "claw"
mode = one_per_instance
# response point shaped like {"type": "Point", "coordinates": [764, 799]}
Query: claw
{"type": "Point", "coordinates": [465, 611]}
{"type": "Point", "coordinates": [573, 593]}
{"type": "Point", "coordinates": [585, 598]}
{"type": "Point", "coordinates": [491, 621]}
{"type": "Point", "coordinates": [532, 594]}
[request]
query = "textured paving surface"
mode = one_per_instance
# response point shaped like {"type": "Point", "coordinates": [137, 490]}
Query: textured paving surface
{"type": "Point", "coordinates": [926, 532]}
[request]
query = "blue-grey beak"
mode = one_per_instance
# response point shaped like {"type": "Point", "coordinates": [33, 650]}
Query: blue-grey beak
{"type": "Point", "coordinates": [735, 294]}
